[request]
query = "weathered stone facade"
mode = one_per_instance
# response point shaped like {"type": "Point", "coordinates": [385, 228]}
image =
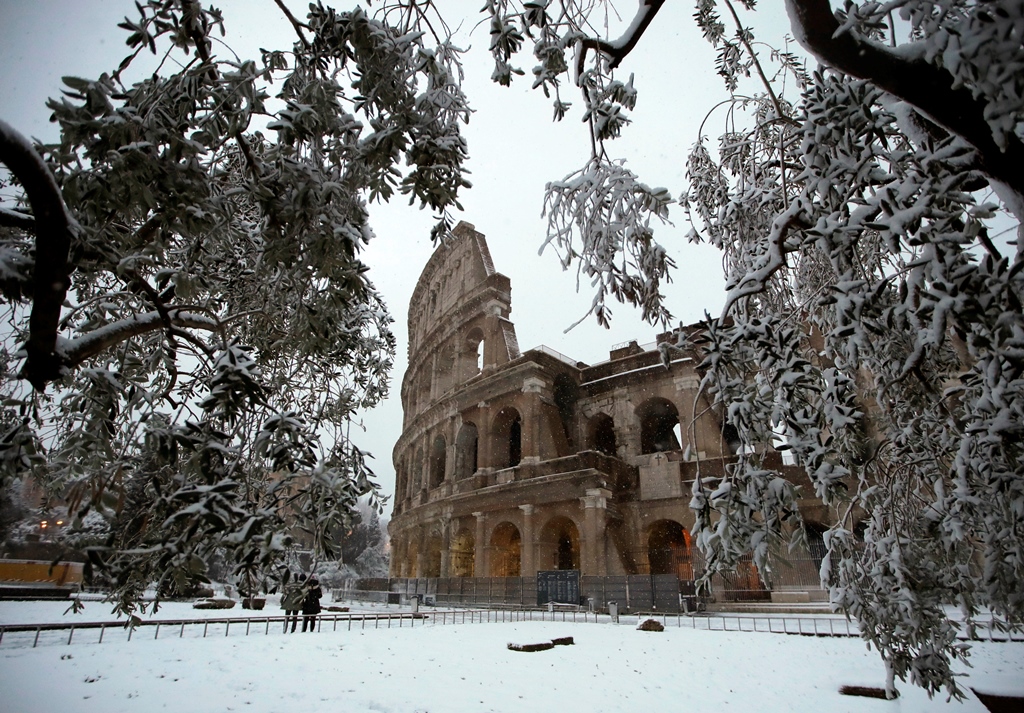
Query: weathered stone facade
{"type": "Point", "coordinates": [512, 462]}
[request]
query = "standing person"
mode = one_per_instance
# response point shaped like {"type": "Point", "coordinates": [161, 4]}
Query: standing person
{"type": "Point", "coordinates": [291, 602]}
{"type": "Point", "coordinates": [311, 604]}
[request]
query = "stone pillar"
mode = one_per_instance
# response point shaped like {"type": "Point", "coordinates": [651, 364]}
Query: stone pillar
{"type": "Point", "coordinates": [479, 547]}
{"type": "Point", "coordinates": [595, 504]}
{"type": "Point", "coordinates": [446, 544]}
{"type": "Point", "coordinates": [484, 440]}
{"type": "Point", "coordinates": [532, 420]}
{"type": "Point", "coordinates": [421, 555]}
{"type": "Point", "coordinates": [528, 566]}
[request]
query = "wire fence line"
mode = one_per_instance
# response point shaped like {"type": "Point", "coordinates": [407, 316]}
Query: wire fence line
{"type": "Point", "coordinates": [33, 635]}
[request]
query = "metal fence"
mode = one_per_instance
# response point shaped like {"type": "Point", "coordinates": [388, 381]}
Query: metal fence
{"type": "Point", "coordinates": [661, 592]}
{"type": "Point", "coordinates": [33, 635]}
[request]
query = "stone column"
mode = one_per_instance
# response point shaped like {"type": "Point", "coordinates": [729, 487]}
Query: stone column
{"type": "Point", "coordinates": [484, 445]}
{"type": "Point", "coordinates": [479, 548]}
{"type": "Point", "coordinates": [532, 420]}
{"type": "Point", "coordinates": [595, 504]}
{"type": "Point", "coordinates": [528, 566]}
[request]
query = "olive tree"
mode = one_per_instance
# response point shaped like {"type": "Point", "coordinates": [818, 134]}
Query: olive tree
{"type": "Point", "coordinates": [190, 330]}
{"type": "Point", "coordinates": [873, 324]}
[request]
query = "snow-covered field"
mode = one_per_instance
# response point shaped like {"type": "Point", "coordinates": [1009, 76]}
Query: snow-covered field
{"type": "Point", "coordinates": [456, 669]}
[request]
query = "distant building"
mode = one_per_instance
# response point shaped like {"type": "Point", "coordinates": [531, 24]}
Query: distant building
{"type": "Point", "coordinates": [513, 462]}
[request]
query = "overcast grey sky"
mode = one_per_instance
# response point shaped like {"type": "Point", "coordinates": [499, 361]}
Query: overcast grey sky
{"type": "Point", "coordinates": [515, 150]}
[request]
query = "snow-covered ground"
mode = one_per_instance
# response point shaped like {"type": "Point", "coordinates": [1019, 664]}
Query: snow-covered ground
{"type": "Point", "coordinates": [457, 669]}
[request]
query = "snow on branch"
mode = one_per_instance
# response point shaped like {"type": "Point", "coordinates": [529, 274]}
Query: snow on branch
{"type": "Point", "coordinates": [931, 89]}
{"type": "Point", "coordinates": [75, 351]}
{"type": "Point", "coordinates": [617, 50]}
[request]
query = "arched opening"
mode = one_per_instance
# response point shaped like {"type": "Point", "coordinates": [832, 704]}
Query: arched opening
{"type": "Point", "coordinates": [461, 554]}
{"type": "Point", "coordinates": [602, 435]}
{"type": "Point", "coordinates": [508, 438]}
{"type": "Point", "coordinates": [559, 544]}
{"type": "Point", "coordinates": [438, 461]}
{"type": "Point", "coordinates": [466, 451]}
{"type": "Point", "coordinates": [816, 542]}
{"type": "Point", "coordinates": [565, 393]}
{"type": "Point", "coordinates": [659, 426]}
{"type": "Point", "coordinates": [506, 548]}
{"type": "Point", "coordinates": [432, 558]}
{"type": "Point", "coordinates": [473, 350]}
{"type": "Point", "coordinates": [668, 549]}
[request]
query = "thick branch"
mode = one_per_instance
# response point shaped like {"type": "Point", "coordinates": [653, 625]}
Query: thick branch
{"type": "Point", "coordinates": [925, 86]}
{"type": "Point", "coordinates": [617, 50]}
{"type": "Point", "coordinates": [14, 219]}
{"type": "Point", "coordinates": [74, 352]}
{"type": "Point", "coordinates": [53, 227]}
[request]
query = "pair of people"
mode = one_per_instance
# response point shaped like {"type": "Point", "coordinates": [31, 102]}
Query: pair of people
{"type": "Point", "coordinates": [305, 598]}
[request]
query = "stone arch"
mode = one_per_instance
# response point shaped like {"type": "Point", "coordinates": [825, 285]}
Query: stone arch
{"type": "Point", "coordinates": [438, 461]}
{"type": "Point", "coordinates": [466, 449]}
{"type": "Point", "coordinates": [473, 351]}
{"type": "Point", "coordinates": [507, 437]}
{"type": "Point", "coordinates": [506, 551]}
{"type": "Point", "coordinates": [462, 553]}
{"type": "Point", "coordinates": [559, 544]}
{"type": "Point", "coordinates": [601, 435]}
{"type": "Point", "coordinates": [668, 549]}
{"type": "Point", "coordinates": [659, 426]}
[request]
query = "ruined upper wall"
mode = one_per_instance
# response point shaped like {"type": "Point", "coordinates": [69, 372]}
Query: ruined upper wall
{"type": "Point", "coordinates": [458, 269]}
{"type": "Point", "coordinates": [460, 307]}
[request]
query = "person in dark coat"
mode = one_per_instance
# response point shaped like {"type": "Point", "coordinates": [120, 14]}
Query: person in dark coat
{"type": "Point", "coordinates": [291, 602]}
{"type": "Point", "coordinates": [311, 604]}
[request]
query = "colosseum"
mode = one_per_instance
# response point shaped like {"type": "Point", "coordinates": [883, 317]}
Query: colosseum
{"type": "Point", "coordinates": [513, 462]}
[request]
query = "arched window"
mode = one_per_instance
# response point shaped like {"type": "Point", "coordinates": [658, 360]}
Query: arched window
{"type": "Point", "coordinates": [659, 426]}
{"type": "Point", "coordinates": [508, 438]}
{"type": "Point", "coordinates": [668, 549]}
{"type": "Point", "coordinates": [602, 434]}
{"type": "Point", "coordinates": [559, 544]}
{"type": "Point", "coordinates": [506, 549]}
{"type": "Point", "coordinates": [438, 461]}
{"type": "Point", "coordinates": [466, 451]}
{"type": "Point", "coordinates": [473, 349]}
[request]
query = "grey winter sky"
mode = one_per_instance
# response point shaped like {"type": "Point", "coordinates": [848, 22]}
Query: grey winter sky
{"type": "Point", "coordinates": [514, 147]}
